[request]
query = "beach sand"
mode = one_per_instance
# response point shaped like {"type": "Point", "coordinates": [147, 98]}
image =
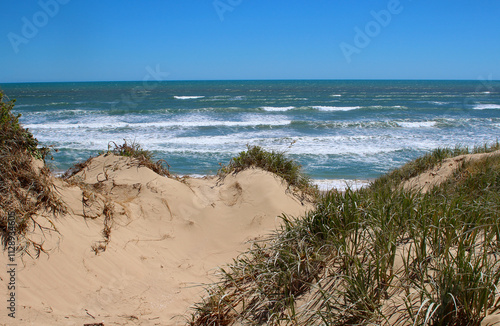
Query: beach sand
{"type": "Point", "coordinates": [167, 237]}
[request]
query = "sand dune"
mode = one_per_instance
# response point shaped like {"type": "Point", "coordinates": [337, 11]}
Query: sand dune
{"type": "Point", "coordinates": [441, 172]}
{"type": "Point", "coordinates": [166, 238]}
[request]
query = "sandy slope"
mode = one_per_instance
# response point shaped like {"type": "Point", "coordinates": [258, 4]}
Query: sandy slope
{"type": "Point", "coordinates": [167, 237]}
{"type": "Point", "coordinates": [440, 173]}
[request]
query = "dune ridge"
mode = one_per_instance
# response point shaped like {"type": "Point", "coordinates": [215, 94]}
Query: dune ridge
{"type": "Point", "coordinates": [441, 172]}
{"type": "Point", "coordinates": [135, 246]}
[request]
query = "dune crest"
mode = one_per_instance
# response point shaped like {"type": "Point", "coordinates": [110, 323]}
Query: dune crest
{"type": "Point", "coordinates": [135, 245]}
{"type": "Point", "coordinates": [441, 172]}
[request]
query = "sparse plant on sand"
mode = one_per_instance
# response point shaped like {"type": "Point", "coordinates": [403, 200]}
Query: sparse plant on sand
{"type": "Point", "coordinates": [133, 150]}
{"type": "Point", "coordinates": [92, 194]}
{"type": "Point", "coordinates": [274, 162]}
{"type": "Point", "coordinates": [377, 256]}
{"type": "Point", "coordinates": [144, 157]}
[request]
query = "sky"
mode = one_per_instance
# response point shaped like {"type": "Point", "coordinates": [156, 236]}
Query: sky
{"type": "Point", "coordinates": [115, 40]}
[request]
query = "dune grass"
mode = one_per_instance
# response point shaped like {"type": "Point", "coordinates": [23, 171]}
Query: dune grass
{"type": "Point", "coordinates": [377, 256]}
{"type": "Point", "coordinates": [24, 188]}
{"type": "Point", "coordinates": [427, 161]}
{"type": "Point", "coordinates": [272, 161]}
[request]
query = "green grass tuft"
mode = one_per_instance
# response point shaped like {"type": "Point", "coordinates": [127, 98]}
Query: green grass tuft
{"type": "Point", "coordinates": [274, 162]}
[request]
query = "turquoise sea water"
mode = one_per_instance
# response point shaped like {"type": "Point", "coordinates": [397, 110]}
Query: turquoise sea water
{"type": "Point", "coordinates": [338, 130]}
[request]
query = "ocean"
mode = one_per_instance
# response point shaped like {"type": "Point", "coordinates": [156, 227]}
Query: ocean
{"type": "Point", "coordinates": [339, 131]}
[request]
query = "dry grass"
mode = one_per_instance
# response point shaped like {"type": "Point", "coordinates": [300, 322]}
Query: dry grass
{"type": "Point", "coordinates": [95, 202]}
{"type": "Point", "coordinates": [25, 190]}
{"type": "Point", "coordinates": [144, 157]}
{"type": "Point", "coordinates": [133, 150]}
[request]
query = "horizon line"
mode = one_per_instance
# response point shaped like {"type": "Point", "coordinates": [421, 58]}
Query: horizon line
{"type": "Point", "coordinates": [237, 80]}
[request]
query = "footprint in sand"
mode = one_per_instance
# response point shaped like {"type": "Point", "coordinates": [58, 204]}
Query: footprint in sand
{"type": "Point", "coordinates": [231, 194]}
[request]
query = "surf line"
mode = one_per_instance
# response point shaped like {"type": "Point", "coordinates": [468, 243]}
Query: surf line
{"type": "Point", "coordinates": [11, 264]}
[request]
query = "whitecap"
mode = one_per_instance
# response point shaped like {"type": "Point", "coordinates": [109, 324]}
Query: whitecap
{"type": "Point", "coordinates": [165, 124]}
{"type": "Point", "coordinates": [487, 107]}
{"type": "Point", "coordinates": [416, 124]}
{"type": "Point", "coordinates": [277, 109]}
{"type": "Point", "coordinates": [336, 108]}
{"type": "Point", "coordinates": [188, 97]}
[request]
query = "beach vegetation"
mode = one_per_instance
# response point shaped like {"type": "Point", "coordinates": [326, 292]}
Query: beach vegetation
{"type": "Point", "coordinates": [26, 187]}
{"type": "Point", "coordinates": [429, 160]}
{"type": "Point", "coordinates": [13, 135]}
{"type": "Point", "coordinates": [381, 255]}
{"type": "Point", "coordinates": [272, 161]}
{"type": "Point", "coordinates": [127, 149]}
{"type": "Point", "coordinates": [144, 157]}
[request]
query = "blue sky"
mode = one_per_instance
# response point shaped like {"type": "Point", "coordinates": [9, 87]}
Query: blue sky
{"type": "Point", "coordinates": [76, 40]}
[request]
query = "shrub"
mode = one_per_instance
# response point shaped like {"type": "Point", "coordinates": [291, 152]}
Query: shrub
{"type": "Point", "coordinates": [25, 190]}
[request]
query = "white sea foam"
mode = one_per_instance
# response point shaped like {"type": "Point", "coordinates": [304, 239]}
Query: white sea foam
{"type": "Point", "coordinates": [336, 95]}
{"type": "Point", "coordinates": [164, 124]}
{"type": "Point", "coordinates": [336, 108]}
{"type": "Point", "coordinates": [188, 97]}
{"type": "Point", "coordinates": [46, 104]}
{"type": "Point", "coordinates": [277, 109]}
{"type": "Point", "coordinates": [196, 176]}
{"type": "Point", "coordinates": [340, 184]}
{"type": "Point", "coordinates": [487, 107]}
{"type": "Point", "coordinates": [354, 148]}
{"type": "Point", "coordinates": [388, 107]}
{"type": "Point", "coordinates": [417, 124]}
